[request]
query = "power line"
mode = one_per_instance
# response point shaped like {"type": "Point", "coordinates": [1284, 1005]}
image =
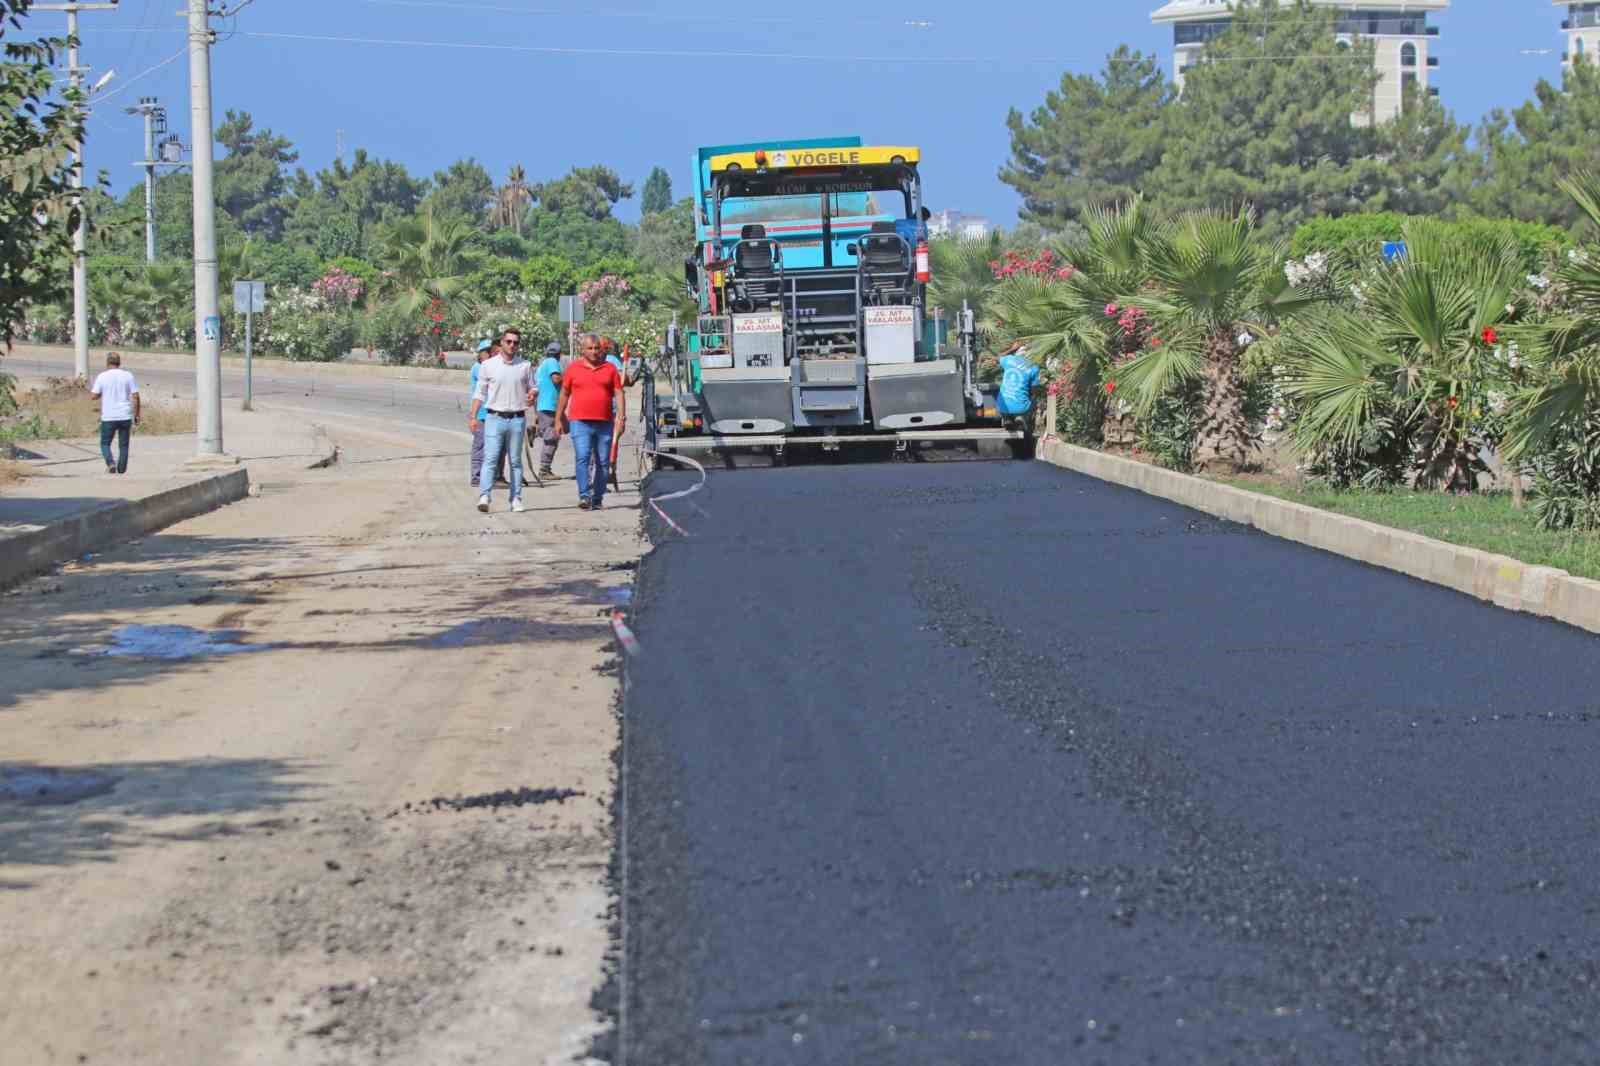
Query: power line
{"type": "Point", "coordinates": [687, 53]}
{"type": "Point", "coordinates": [149, 70]}
{"type": "Point", "coordinates": [652, 16]}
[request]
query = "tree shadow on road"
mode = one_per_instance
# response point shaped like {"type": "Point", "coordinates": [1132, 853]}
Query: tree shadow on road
{"type": "Point", "coordinates": [61, 816]}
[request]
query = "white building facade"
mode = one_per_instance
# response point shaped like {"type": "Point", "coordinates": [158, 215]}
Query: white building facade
{"type": "Point", "coordinates": [959, 224]}
{"type": "Point", "coordinates": [1399, 31]}
{"type": "Point", "coordinates": [1582, 27]}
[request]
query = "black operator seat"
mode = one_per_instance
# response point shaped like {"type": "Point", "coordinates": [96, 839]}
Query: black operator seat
{"type": "Point", "coordinates": [753, 256]}
{"type": "Point", "coordinates": [884, 263]}
{"type": "Point", "coordinates": [883, 252]}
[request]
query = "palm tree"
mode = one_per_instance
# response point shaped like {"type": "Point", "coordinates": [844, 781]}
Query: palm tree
{"type": "Point", "coordinates": [1064, 321]}
{"type": "Point", "coordinates": [1403, 378]}
{"type": "Point", "coordinates": [427, 257]}
{"type": "Point", "coordinates": [962, 275]}
{"type": "Point", "coordinates": [512, 199]}
{"type": "Point", "coordinates": [164, 290]}
{"type": "Point", "coordinates": [1216, 286]}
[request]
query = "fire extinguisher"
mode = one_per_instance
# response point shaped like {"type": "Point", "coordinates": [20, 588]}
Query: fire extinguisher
{"type": "Point", "coordinates": [924, 269]}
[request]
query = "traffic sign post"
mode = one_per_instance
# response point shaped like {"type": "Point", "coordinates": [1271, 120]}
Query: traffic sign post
{"type": "Point", "coordinates": [249, 297]}
{"type": "Point", "coordinates": [569, 309]}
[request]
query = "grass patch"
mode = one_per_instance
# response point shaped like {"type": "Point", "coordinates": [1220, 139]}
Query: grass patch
{"type": "Point", "coordinates": [64, 410]}
{"type": "Point", "coordinates": [1487, 522]}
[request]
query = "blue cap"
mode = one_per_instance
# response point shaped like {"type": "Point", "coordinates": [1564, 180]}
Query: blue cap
{"type": "Point", "coordinates": [553, 348]}
{"type": "Point", "coordinates": [484, 346]}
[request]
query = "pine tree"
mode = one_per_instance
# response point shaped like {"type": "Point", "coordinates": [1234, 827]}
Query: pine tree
{"type": "Point", "coordinates": [1546, 140]}
{"type": "Point", "coordinates": [657, 195]}
{"type": "Point", "coordinates": [1270, 118]}
{"type": "Point", "coordinates": [1092, 143]}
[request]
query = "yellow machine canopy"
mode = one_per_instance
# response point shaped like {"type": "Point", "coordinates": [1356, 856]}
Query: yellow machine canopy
{"type": "Point", "coordinates": [770, 159]}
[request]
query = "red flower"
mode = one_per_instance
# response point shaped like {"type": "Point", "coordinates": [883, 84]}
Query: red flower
{"type": "Point", "coordinates": [1111, 386]}
{"type": "Point", "coordinates": [1490, 337]}
{"type": "Point", "coordinates": [1155, 342]}
{"type": "Point", "coordinates": [1453, 402]}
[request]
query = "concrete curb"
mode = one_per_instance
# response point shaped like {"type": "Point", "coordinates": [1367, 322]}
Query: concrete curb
{"type": "Point", "coordinates": [1499, 579]}
{"type": "Point", "coordinates": [135, 360]}
{"type": "Point", "coordinates": [116, 523]}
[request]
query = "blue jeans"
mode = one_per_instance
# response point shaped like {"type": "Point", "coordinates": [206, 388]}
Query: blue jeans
{"type": "Point", "coordinates": [502, 436]}
{"type": "Point", "coordinates": [592, 439]}
{"type": "Point", "coordinates": [476, 463]}
{"type": "Point", "coordinates": [120, 430]}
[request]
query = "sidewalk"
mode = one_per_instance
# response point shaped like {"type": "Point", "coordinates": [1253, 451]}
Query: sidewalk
{"type": "Point", "coordinates": [68, 499]}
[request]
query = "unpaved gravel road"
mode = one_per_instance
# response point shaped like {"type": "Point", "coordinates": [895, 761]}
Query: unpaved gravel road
{"type": "Point", "coordinates": [256, 869]}
{"type": "Point", "coordinates": [996, 764]}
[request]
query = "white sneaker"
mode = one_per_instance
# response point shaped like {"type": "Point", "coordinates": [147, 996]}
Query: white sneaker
{"type": "Point", "coordinates": [516, 505]}
{"type": "Point", "coordinates": [483, 503]}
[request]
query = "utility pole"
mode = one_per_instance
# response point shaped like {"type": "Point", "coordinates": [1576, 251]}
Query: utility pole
{"type": "Point", "coordinates": [80, 238]}
{"type": "Point", "coordinates": [207, 321]}
{"type": "Point", "coordinates": [155, 121]}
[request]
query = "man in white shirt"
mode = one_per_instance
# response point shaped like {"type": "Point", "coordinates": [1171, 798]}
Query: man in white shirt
{"type": "Point", "coordinates": [505, 392]}
{"type": "Point", "coordinates": [119, 411]}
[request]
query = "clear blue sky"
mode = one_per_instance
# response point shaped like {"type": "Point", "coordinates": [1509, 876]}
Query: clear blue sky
{"type": "Point", "coordinates": [427, 106]}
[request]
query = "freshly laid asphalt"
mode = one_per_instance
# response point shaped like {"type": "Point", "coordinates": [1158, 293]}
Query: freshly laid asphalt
{"type": "Point", "coordinates": [991, 763]}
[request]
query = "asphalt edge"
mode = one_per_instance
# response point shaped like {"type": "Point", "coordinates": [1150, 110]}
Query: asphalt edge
{"type": "Point", "coordinates": [1498, 579]}
{"type": "Point", "coordinates": [71, 538]}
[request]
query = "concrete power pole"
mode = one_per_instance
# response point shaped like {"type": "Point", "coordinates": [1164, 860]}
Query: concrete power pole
{"type": "Point", "coordinates": [80, 238]}
{"type": "Point", "coordinates": [155, 122]}
{"type": "Point", "coordinates": [207, 321]}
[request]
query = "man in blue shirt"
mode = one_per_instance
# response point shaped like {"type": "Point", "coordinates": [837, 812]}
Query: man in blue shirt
{"type": "Point", "coordinates": [1018, 378]}
{"type": "Point", "coordinates": [486, 350]}
{"type": "Point", "coordinates": [548, 378]}
{"type": "Point", "coordinates": [913, 230]}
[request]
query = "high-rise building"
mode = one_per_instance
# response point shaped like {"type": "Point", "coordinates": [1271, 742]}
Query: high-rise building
{"type": "Point", "coordinates": [1398, 29]}
{"type": "Point", "coordinates": [1582, 27]}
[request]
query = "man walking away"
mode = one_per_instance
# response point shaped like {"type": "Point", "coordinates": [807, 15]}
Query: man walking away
{"type": "Point", "coordinates": [548, 379]}
{"type": "Point", "coordinates": [505, 392]}
{"type": "Point", "coordinates": [119, 411]}
{"type": "Point", "coordinates": [594, 408]}
{"type": "Point", "coordinates": [486, 350]}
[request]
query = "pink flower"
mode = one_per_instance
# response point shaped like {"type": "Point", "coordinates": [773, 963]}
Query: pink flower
{"type": "Point", "coordinates": [1111, 309]}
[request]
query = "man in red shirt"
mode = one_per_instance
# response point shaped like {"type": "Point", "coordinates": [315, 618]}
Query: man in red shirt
{"type": "Point", "coordinates": [594, 409]}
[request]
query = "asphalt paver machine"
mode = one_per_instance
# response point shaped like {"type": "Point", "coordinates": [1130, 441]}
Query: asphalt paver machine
{"type": "Point", "coordinates": [811, 271]}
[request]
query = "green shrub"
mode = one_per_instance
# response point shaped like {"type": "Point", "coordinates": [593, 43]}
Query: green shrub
{"type": "Point", "coordinates": [355, 267]}
{"type": "Point", "coordinates": [549, 276]}
{"type": "Point", "coordinates": [1167, 432]}
{"type": "Point", "coordinates": [1566, 478]}
{"type": "Point", "coordinates": [1358, 238]}
{"type": "Point", "coordinates": [493, 280]}
{"type": "Point", "coordinates": [398, 335]}
{"type": "Point", "coordinates": [1080, 418]}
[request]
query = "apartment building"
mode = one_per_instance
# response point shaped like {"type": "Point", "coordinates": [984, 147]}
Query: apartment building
{"type": "Point", "coordinates": [959, 224]}
{"type": "Point", "coordinates": [1399, 30]}
{"type": "Point", "coordinates": [1582, 27]}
